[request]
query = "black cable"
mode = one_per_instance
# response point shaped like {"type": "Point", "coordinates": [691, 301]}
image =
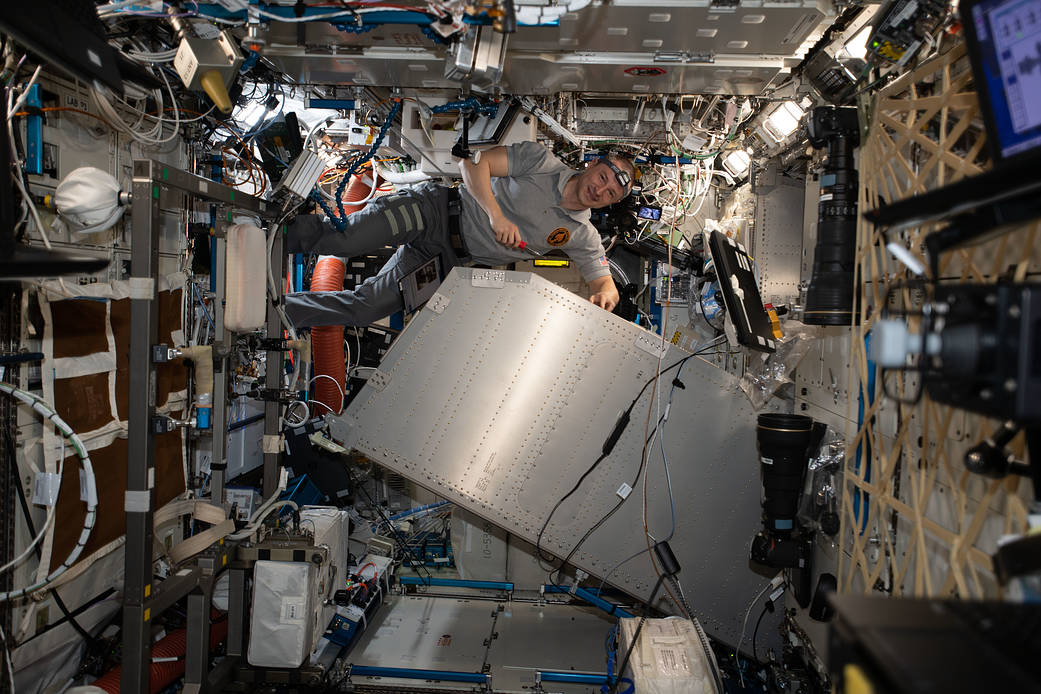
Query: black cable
{"type": "Point", "coordinates": [32, 532]}
{"type": "Point", "coordinates": [704, 315]}
{"type": "Point", "coordinates": [702, 636]}
{"type": "Point", "coordinates": [538, 540]}
{"type": "Point", "coordinates": [402, 543]}
{"type": "Point", "coordinates": [636, 635]}
{"type": "Point", "coordinates": [755, 632]}
{"type": "Point", "coordinates": [615, 434]}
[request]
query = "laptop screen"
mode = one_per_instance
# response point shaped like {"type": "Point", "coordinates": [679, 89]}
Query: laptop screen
{"type": "Point", "coordinates": [1005, 46]}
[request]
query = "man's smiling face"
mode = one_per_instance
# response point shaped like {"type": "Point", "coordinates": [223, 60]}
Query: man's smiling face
{"type": "Point", "coordinates": [598, 186]}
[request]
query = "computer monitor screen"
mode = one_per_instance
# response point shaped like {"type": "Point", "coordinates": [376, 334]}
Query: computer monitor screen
{"type": "Point", "coordinates": [68, 35]}
{"type": "Point", "coordinates": [1004, 38]}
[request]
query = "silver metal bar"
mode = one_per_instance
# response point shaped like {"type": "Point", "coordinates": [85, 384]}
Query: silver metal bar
{"type": "Point", "coordinates": [197, 653]}
{"type": "Point", "coordinates": [237, 613]}
{"type": "Point", "coordinates": [139, 499]}
{"type": "Point", "coordinates": [173, 589]}
{"type": "Point", "coordinates": [219, 421]}
{"type": "Point", "coordinates": [170, 177]}
{"type": "Point", "coordinates": [273, 371]}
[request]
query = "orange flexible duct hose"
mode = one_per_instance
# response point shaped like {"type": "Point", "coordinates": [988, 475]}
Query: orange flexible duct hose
{"type": "Point", "coordinates": [327, 342]}
{"type": "Point", "coordinates": [358, 189]}
{"type": "Point", "coordinates": [163, 674]}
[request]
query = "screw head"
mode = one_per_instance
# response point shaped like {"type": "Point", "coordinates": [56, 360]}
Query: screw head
{"type": "Point", "coordinates": [1011, 385]}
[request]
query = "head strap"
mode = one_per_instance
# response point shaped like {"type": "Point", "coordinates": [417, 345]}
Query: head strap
{"type": "Point", "coordinates": [623, 177]}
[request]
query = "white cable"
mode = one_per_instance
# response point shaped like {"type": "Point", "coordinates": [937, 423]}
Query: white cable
{"type": "Point", "coordinates": [744, 625]}
{"type": "Point", "coordinates": [347, 349]}
{"type": "Point", "coordinates": [25, 93]}
{"type": "Point", "coordinates": [159, 57]}
{"type": "Point", "coordinates": [29, 203]}
{"type": "Point", "coordinates": [313, 130]}
{"type": "Point", "coordinates": [7, 660]}
{"type": "Point", "coordinates": [288, 408]}
{"type": "Point", "coordinates": [343, 396]}
{"type": "Point", "coordinates": [113, 6]}
{"type": "Point", "coordinates": [276, 294]}
{"type": "Point", "coordinates": [42, 408]}
{"type": "Point", "coordinates": [259, 517]}
{"type": "Point", "coordinates": [357, 356]}
{"type": "Point", "coordinates": [148, 137]}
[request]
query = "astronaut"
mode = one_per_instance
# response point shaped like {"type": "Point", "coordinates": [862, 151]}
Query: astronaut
{"type": "Point", "coordinates": [516, 201]}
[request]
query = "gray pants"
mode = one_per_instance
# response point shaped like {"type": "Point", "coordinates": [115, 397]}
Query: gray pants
{"type": "Point", "coordinates": [414, 220]}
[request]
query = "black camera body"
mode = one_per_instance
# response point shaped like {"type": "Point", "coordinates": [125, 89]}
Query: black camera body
{"type": "Point", "coordinates": [829, 299]}
{"type": "Point", "coordinates": [828, 123]}
{"type": "Point", "coordinates": [785, 442]}
{"type": "Point", "coordinates": [987, 361]}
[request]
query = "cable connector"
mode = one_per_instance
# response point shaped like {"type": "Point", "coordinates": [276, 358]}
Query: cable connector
{"type": "Point", "coordinates": [669, 565]}
{"type": "Point", "coordinates": [616, 433]}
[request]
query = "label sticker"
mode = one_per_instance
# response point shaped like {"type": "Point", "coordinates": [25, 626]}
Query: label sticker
{"type": "Point", "coordinates": [767, 461]}
{"type": "Point", "coordinates": [45, 488]}
{"type": "Point", "coordinates": [292, 611]}
{"type": "Point", "coordinates": [672, 662]}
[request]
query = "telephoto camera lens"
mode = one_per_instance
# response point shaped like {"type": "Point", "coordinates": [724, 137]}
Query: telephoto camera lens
{"type": "Point", "coordinates": [783, 440]}
{"type": "Point", "coordinates": [829, 298]}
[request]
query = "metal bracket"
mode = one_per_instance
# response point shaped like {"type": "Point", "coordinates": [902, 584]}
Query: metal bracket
{"type": "Point", "coordinates": [162, 424]}
{"type": "Point", "coordinates": [272, 395]}
{"type": "Point", "coordinates": [379, 380]}
{"type": "Point", "coordinates": [652, 344]}
{"type": "Point", "coordinates": [704, 57]}
{"type": "Point", "coordinates": [438, 303]}
{"type": "Point", "coordinates": [164, 353]}
{"type": "Point", "coordinates": [492, 279]}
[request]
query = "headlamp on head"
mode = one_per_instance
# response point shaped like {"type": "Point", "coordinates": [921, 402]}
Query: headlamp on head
{"type": "Point", "coordinates": [620, 175]}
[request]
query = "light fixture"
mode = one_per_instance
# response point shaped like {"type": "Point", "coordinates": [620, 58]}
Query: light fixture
{"type": "Point", "coordinates": [250, 115]}
{"type": "Point", "coordinates": [783, 121]}
{"type": "Point", "coordinates": [856, 47]}
{"type": "Point", "coordinates": [737, 162]}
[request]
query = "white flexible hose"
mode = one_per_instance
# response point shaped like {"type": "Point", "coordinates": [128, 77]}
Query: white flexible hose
{"type": "Point", "coordinates": [403, 177]}
{"type": "Point", "coordinates": [41, 407]}
{"type": "Point", "coordinates": [264, 512]}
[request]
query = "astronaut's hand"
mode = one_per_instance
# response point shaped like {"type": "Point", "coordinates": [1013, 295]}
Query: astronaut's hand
{"type": "Point", "coordinates": [603, 292]}
{"type": "Point", "coordinates": [606, 300]}
{"type": "Point", "coordinates": [506, 232]}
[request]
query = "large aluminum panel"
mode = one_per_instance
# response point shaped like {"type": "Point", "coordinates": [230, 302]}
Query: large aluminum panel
{"type": "Point", "coordinates": [745, 46]}
{"type": "Point", "coordinates": [500, 394]}
{"type": "Point", "coordinates": [428, 634]}
{"type": "Point", "coordinates": [509, 640]}
{"type": "Point", "coordinates": [777, 243]}
{"type": "Point", "coordinates": [564, 638]}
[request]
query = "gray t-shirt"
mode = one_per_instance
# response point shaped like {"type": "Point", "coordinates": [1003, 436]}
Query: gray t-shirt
{"type": "Point", "coordinates": [530, 198]}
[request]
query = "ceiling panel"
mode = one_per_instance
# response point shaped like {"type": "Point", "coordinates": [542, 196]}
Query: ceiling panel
{"type": "Point", "coordinates": [614, 48]}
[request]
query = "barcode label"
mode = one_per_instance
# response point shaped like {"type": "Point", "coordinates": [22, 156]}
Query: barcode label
{"type": "Point", "coordinates": [672, 662]}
